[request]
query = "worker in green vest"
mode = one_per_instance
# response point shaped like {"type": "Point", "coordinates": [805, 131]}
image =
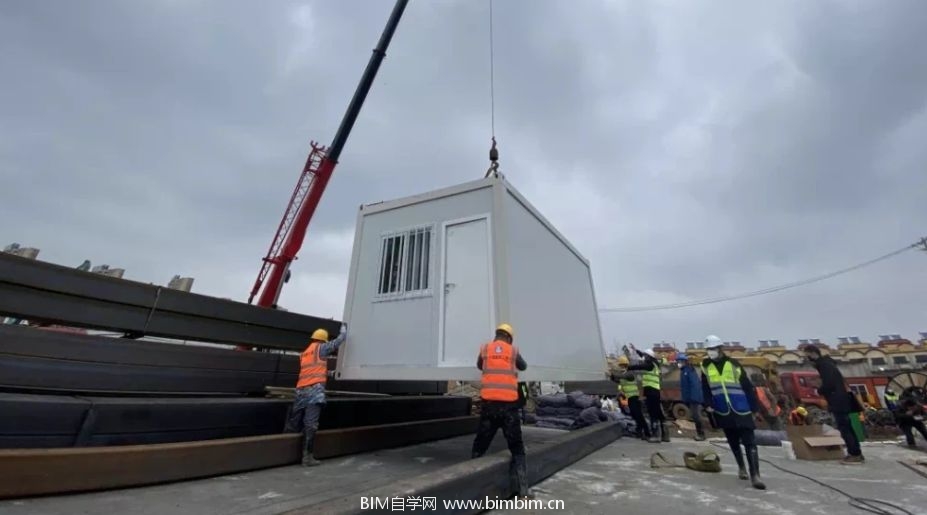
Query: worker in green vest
{"type": "Point", "coordinates": [650, 380]}
{"type": "Point", "coordinates": [731, 398]}
{"type": "Point", "coordinates": [891, 399]}
{"type": "Point", "coordinates": [627, 385]}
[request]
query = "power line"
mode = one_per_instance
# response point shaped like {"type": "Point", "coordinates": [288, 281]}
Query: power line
{"type": "Point", "coordinates": [920, 243]}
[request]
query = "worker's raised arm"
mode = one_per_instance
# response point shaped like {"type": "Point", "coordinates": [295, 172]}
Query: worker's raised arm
{"type": "Point", "coordinates": [645, 366]}
{"type": "Point", "coordinates": [329, 348]}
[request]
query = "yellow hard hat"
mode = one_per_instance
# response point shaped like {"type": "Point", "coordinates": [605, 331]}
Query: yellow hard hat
{"type": "Point", "coordinates": [507, 329]}
{"type": "Point", "coordinates": [320, 334]}
{"type": "Point", "coordinates": [802, 411]}
{"type": "Point", "coordinates": [623, 360]}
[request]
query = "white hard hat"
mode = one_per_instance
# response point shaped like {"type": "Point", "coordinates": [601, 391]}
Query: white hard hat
{"type": "Point", "coordinates": [650, 353]}
{"type": "Point", "coordinates": [712, 341]}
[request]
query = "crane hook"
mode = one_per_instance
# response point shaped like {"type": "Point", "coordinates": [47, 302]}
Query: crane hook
{"type": "Point", "coordinates": [493, 160]}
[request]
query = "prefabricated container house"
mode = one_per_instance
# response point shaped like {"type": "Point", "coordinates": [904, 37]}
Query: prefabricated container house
{"type": "Point", "coordinates": [432, 275]}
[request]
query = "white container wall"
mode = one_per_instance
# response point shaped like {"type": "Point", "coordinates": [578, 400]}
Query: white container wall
{"type": "Point", "coordinates": [432, 275]}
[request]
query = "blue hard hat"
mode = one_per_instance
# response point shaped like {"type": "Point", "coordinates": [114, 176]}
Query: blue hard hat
{"type": "Point", "coordinates": [682, 357]}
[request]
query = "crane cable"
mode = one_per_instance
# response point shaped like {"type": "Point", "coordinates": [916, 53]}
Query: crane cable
{"type": "Point", "coordinates": [920, 243]}
{"type": "Point", "coordinates": [493, 151]}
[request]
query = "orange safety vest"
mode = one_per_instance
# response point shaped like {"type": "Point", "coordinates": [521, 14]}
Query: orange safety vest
{"type": "Point", "coordinates": [312, 368]}
{"type": "Point", "coordinates": [767, 402]}
{"type": "Point", "coordinates": [500, 377]}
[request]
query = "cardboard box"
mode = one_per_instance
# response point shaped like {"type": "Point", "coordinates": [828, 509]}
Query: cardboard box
{"type": "Point", "coordinates": [810, 443]}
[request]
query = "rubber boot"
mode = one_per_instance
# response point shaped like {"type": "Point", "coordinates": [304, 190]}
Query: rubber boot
{"type": "Point", "coordinates": [654, 434]}
{"type": "Point", "coordinates": [664, 434]}
{"type": "Point", "coordinates": [742, 468]}
{"type": "Point", "coordinates": [308, 459]}
{"type": "Point", "coordinates": [753, 456]}
{"type": "Point", "coordinates": [518, 474]}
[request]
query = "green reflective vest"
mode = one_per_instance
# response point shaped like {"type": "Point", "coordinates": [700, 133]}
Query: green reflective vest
{"type": "Point", "coordinates": [628, 388]}
{"type": "Point", "coordinates": [726, 393]}
{"type": "Point", "coordinates": [651, 377]}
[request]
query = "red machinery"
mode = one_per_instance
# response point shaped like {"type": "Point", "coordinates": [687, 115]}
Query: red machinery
{"type": "Point", "coordinates": [315, 175]}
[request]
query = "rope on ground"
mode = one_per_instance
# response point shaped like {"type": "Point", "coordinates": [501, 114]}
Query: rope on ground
{"type": "Point", "coordinates": [860, 503]}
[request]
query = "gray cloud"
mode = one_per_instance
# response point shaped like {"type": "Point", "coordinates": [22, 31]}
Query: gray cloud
{"type": "Point", "coordinates": [689, 151]}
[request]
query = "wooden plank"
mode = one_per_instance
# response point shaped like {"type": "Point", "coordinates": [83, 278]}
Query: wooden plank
{"type": "Point", "coordinates": [30, 472]}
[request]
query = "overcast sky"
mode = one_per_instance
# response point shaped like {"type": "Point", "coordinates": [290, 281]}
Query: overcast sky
{"type": "Point", "coordinates": [688, 149]}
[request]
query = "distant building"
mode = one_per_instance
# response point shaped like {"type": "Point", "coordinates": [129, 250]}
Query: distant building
{"type": "Point", "coordinates": [25, 252]}
{"type": "Point", "coordinates": [181, 283]}
{"type": "Point", "coordinates": [891, 353]}
{"type": "Point", "coordinates": [106, 270]}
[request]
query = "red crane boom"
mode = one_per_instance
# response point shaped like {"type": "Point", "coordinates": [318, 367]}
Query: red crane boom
{"type": "Point", "coordinates": [312, 182]}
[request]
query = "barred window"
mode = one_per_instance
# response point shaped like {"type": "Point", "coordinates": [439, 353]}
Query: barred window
{"type": "Point", "coordinates": [405, 262]}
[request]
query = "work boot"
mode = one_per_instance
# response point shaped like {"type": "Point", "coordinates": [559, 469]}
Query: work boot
{"type": "Point", "coordinates": [753, 457]}
{"type": "Point", "coordinates": [664, 434]}
{"type": "Point", "coordinates": [741, 467]}
{"type": "Point", "coordinates": [308, 459]}
{"type": "Point", "coordinates": [700, 437]}
{"type": "Point", "coordinates": [654, 437]}
{"type": "Point", "coordinates": [518, 473]}
{"type": "Point", "coordinates": [853, 460]}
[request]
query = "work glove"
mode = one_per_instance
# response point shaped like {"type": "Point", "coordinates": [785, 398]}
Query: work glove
{"type": "Point", "coordinates": [344, 328]}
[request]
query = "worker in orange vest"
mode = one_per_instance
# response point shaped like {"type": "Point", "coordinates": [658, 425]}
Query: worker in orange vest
{"type": "Point", "coordinates": [310, 389]}
{"type": "Point", "coordinates": [500, 362]}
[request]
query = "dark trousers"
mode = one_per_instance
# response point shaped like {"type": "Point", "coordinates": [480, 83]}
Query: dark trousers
{"type": "Point", "coordinates": [505, 415]}
{"type": "Point", "coordinates": [846, 432]}
{"type": "Point", "coordinates": [637, 413]}
{"type": "Point", "coordinates": [304, 417]}
{"type": "Point", "coordinates": [496, 415]}
{"type": "Point", "coordinates": [738, 436]}
{"type": "Point", "coordinates": [695, 409]}
{"type": "Point", "coordinates": [654, 409]}
{"type": "Point", "coordinates": [909, 425]}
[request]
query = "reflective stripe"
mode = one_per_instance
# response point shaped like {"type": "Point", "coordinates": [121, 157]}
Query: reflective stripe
{"type": "Point", "coordinates": [629, 388]}
{"type": "Point", "coordinates": [651, 378]}
{"type": "Point", "coordinates": [499, 386]}
{"type": "Point", "coordinates": [500, 371]}
{"type": "Point", "coordinates": [312, 368]}
{"type": "Point", "coordinates": [727, 394]}
{"type": "Point", "coordinates": [500, 376]}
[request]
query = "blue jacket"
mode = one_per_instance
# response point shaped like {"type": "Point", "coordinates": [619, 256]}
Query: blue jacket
{"type": "Point", "coordinates": [691, 385]}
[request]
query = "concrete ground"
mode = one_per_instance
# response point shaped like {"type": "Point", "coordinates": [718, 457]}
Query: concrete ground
{"type": "Point", "coordinates": [619, 479]}
{"type": "Point", "coordinates": [270, 491]}
{"type": "Point", "coordinates": [615, 479]}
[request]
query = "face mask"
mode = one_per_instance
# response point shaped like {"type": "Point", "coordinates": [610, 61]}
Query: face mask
{"type": "Point", "coordinates": [680, 365]}
{"type": "Point", "coordinates": [712, 354]}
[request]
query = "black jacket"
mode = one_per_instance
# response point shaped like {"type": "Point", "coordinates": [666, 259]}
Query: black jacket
{"type": "Point", "coordinates": [732, 420]}
{"type": "Point", "coordinates": [833, 388]}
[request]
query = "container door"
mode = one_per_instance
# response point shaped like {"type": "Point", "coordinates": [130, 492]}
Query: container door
{"type": "Point", "coordinates": [468, 306]}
